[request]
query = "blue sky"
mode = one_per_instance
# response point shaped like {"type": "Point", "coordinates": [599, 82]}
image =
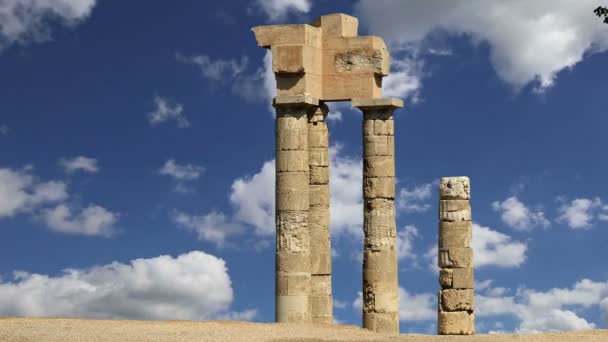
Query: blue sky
{"type": "Point", "coordinates": [137, 146]}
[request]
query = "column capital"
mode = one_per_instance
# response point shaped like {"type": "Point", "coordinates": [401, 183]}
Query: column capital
{"type": "Point", "coordinates": [377, 103]}
{"type": "Point", "coordinates": [320, 113]}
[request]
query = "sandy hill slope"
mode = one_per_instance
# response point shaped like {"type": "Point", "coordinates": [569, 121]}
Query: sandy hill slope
{"type": "Point", "coordinates": [85, 330]}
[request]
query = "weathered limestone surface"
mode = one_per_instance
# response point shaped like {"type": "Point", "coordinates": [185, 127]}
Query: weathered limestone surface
{"type": "Point", "coordinates": [456, 297]}
{"type": "Point", "coordinates": [320, 257]}
{"type": "Point", "coordinates": [293, 262]}
{"type": "Point", "coordinates": [380, 273]}
{"type": "Point", "coordinates": [326, 58]}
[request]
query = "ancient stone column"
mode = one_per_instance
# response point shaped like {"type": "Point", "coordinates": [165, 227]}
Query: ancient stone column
{"type": "Point", "coordinates": [293, 265]}
{"type": "Point", "coordinates": [318, 217]}
{"type": "Point", "coordinates": [456, 297]}
{"type": "Point", "coordinates": [380, 275]}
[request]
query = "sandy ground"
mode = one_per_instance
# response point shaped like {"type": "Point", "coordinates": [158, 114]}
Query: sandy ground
{"type": "Point", "coordinates": [83, 330]}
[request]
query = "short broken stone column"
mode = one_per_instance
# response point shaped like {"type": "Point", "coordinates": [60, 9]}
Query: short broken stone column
{"type": "Point", "coordinates": [318, 217]}
{"type": "Point", "coordinates": [380, 273]}
{"type": "Point", "coordinates": [456, 297]}
{"type": "Point", "coordinates": [293, 276]}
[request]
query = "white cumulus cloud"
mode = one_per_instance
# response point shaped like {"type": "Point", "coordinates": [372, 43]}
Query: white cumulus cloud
{"type": "Point", "coordinates": [277, 10]}
{"type": "Point", "coordinates": [181, 174]}
{"type": "Point", "coordinates": [414, 200]}
{"type": "Point", "coordinates": [557, 309]}
{"type": "Point", "coordinates": [515, 214]}
{"type": "Point", "coordinates": [581, 213]}
{"type": "Point", "coordinates": [24, 21]}
{"type": "Point", "coordinates": [405, 241]}
{"type": "Point", "coordinates": [167, 110]}
{"type": "Point", "coordinates": [20, 191]}
{"type": "Point", "coordinates": [191, 286]}
{"type": "Point", "coordinates": [80, 163]}
{"type": "Point", "coordinates": [529, 41]}
{"type": "Point", "coordinates": [93, 220]}
{"type": "Point", "coordinates": [494, 248]}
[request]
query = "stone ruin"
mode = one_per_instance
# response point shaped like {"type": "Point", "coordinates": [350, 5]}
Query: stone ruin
{"type": "Point", "coordinates": [326, 61]}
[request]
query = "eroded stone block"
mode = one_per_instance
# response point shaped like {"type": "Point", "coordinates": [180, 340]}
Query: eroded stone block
{"type": "Point", "coordinates": [457, 300]}
{"type": "Point", "coordinates": [456, 258]}
{"type": "Point", "coordinates": [455, 188]}
{"type": "Point", "coordinates": [455, 234]}
{"type": "Point", "coordinates": [319, 195]}
{"type": "Point", "coordinates": [318, 157]}
{"type": "Point", "coordinates": [293, 284]}
{"type": "Point", "coordinates": [463, 278]}
{"type": "Point", "coordinates": [455, 216]}
{"type": "Point", "coordinates": [319, 174]}
{"type": "Point", "coordinates": [292, 309]}
{"type": "Point", "coordinates": [381, 322]}
{"type": "Point", "coordinates": [445, 277]}
{"type": "Point", "coordinates": [456, 323]}
{"type": "Point", "coordinates": [379, 166]}
{"type": "Point", "coordinates": [320, 263]}
{"type": "Point", "coordinates": [292, 161]}
{"type": "Point", "coordinates": [287, 262]}
{"type": "Point", "coordinates": [382, 187]}
{"type": "Point", "coordinates": [320, 285]}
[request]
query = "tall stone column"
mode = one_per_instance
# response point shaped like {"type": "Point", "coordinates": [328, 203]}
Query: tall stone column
{"type": "Point", "coordinates": [318, 219]}
{"type": "Point", "coordinates": [380, 275]}
{"type": "Point", "coordinates": [293, 276]}
{"type": "Point", "coordinates": [456, 297]}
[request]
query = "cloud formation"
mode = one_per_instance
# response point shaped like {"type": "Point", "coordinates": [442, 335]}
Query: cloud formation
{"type": "Point", "coordinates": [191, 286]}
{"type": "Point", "coordinates": [414, 200]}
{"type": "Point", "coordinates": [167, 110]}
{"type": "Point", "coordinates": [581, 213]}
{"type": "Point", "coordinates": [530, 42]}
{"type": "Point", "coordinates": [515, 214]}
{"type": "Point", "coordinates": [277, 10]}
{"type": "Point", "coordinates": [557, 309]}
{"type": "Point", "coordinates": [80, 163]}
{"type": "Point", "coordinates": [25, 21]}
{"type": "Point", "coordinates": [93, 220]}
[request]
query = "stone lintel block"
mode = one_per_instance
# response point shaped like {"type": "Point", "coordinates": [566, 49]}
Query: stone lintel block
{"type": "Point", "coordinates": [293, 122]}
{"type": "Point", "coordinates": [337, 25]}
{"type": "Point", "coordinates": [320, 263]}
{"type": "Point", "coordinates": [287, 262]}
{"type": "Point", "coordinates": [457, 300]}
{"type": "Point", "coordinates": [368, 60]}
{"type": "Point", "coordinates": [301, 84]}
{"type": "Point", "coordinates": [297, 59]}
{"type": "Point", "coordinates": [319, 195]}
{"type": "Point", "coordinates": [380, 281]}
{"type": "Point", "coordinates": [295, 34]}
{"type": "Point", "coordinates": [463, 278]}
{"type": "Point", "coordinates": [292, 309]}
{"type": "Point", "coordinates": [456, 257]}
{"type": "Point", "coordinates": [455, 216]}
{"type": "Point", "coordinates": [344, 87]}
{"type": "Point", "coordinates": [379, 145]}
{"type": "Point", "coordinates": [387, 323]}
{"type": "Point", "coordinates": [320, 285]}
{"type": "Point", "coordinates": [455, 188]}
{"type": "Point", "coordinates": [382, 187]}
{"type": "Point", "coordinates": [292, 161]}
{"type": "Point", "coordinates": [455, 234]}
{"type": "Point", "coordinates": [379, 166]}
{"type": "Point", "coordinates": [318, 136]}
{"type": "Point", "coordinates": [454, 205]}
{"type": "Point", "coordinates": [319, 174]}
{"type": "Point", "coordinates": [318, 157]}
{"type": "Point", "coordinates": [293, 284]}
{"type": "Point", "coordinates": [366, 104]}
{"type": "Point", "coordinates": [456, 323]}
{"type": "Point", "coordinates": [445, 277]}
{"type": "Point", "coordinates": [321, 307]}
{"type": "Point", "coordinates": [353, 43]}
